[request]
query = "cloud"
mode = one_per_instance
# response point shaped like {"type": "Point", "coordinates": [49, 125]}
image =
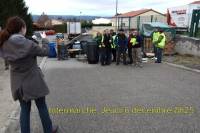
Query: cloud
{"type": "Point", "coordinates": [98, 7]}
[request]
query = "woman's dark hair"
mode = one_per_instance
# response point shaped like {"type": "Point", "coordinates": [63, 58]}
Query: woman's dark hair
{"type": "Point", "coordinates": [13, 25]}
{"type": "Point", "coordinates": [122, 36]}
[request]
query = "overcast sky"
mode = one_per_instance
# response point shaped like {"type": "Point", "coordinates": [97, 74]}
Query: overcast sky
{"type": "Point", "coordinates": [98, 7]}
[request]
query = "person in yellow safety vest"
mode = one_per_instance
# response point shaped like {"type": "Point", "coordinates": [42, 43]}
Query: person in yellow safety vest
{"type": "Point", "coordinates": [136, 42]}
{"type": "Point", "coordinates": [113, 45]}
{"type": "Point", "coordinates": [102, 49]}
{"type": "Point", "coordinates": [98, 39]}
{"type": "Point", "coordinates": [106, 48]}
{"type": "Point", "coordinates": [160, 45]}
{"type": "Point", "coordinates": [155, 37]}
{"type": "Point", "coordinates": [101, 44]}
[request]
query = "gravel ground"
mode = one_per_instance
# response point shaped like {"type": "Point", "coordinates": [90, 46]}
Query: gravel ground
{"type": "Point", "coordinates": [185, 60]}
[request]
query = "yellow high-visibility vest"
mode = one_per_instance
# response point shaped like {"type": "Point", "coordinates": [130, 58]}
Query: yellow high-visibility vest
{"type": "Point", "coordinates": [102, 39]}
{"type": "Point", "coordinates": [102, 46]}
{"type": "Point", "coordinates": [133, 41]}
{"type": "Point", "coordinates": [113, 45]}
{"type": "Point", "coordinates": [163, 41]}
{"type": "Point", "coordinates": [156, 36]}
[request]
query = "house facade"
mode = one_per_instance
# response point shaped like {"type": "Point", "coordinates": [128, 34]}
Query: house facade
{"type": "Point", "coordinates": [135, 19]}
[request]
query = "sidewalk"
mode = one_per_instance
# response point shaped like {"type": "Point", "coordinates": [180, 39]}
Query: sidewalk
{"type": "Point", "coordinates": [7, 105]}
{"type": "Point", "coordinates": [9, 109]}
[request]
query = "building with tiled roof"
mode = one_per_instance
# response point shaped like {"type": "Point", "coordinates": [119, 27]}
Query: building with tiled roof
{"type": "Point", "coordinates": [195, 2]}
{"type": "Point", "coordinates": [135, 19]}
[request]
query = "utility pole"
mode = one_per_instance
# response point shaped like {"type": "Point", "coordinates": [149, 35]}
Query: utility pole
{"type": "Point", "coordinates": [116, 16]}
{"type": "Point", "coordinates": [80, 16]}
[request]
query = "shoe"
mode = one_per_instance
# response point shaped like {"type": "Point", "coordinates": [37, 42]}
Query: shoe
{"type": "Point", "coordinates": [140, 66]}
{"type": "Point", "coordinates": [7, 68]}
{"type": "Point", "coordinates": [55, 129]}
{"type": "Point", "coordinates": [117, 64]}
{"type": "Point", "coordinates": [157, 62]}
{"type": "Point", "coordinates": [154, 58]}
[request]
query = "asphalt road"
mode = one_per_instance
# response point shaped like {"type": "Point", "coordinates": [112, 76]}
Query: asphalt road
{"type": "Point", "coordinates": [121, 99]}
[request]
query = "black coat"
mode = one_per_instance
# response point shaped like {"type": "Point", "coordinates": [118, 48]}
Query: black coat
{"type": "Point", "coordinates": [107, 41]}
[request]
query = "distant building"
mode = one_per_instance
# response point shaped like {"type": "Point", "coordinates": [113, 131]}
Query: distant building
{"type": "Point", "coordinates": [101, 21]}
{"type": "Point", "coordinates": [45, 22]}
{"type": "Point", "coordinates": [135, 19]}
{"type": "Point", "coordinates": [56, 22]}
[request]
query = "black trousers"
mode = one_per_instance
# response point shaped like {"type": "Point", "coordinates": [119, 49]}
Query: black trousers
{"type": "Point", "coordinates": [108, 56]}
{"type": "Point", "coordinates": [105, 56]}
{"type": "Point", "coordinates": [114, 52]}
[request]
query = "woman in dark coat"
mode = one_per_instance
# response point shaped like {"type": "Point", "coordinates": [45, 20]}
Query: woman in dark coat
{"type": "Point", "coordinates": [27, 81]}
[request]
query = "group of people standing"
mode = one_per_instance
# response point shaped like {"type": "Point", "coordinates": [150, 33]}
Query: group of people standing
{"type": "Point", "coordinates": [113, 46]}
{"type": "Point", "coordinates": [159, 41]}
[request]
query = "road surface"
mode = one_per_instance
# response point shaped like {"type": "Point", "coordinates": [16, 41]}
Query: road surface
{"type": "Point", "coordinates": [121, 99]}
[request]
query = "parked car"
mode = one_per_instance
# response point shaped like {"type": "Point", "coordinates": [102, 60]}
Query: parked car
{"type": "Point", "coordinates": [50, 32]}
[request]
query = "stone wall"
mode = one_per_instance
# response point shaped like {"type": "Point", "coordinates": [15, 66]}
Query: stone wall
{"type": "Point", "coordinates": [187, 45]}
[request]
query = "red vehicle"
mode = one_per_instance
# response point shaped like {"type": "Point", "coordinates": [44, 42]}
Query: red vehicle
{"type": "Point", "coordinates": [50, 32]}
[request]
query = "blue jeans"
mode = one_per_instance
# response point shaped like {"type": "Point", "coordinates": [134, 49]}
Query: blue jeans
{"type": "Point", "coordinates": [159, 55]}
{"type": "Point", "coordinates": [43, 112]}
{"type": "Point", "coordinates": [121, 50]}
{"type": "Point", "coordinates": [155, 50]}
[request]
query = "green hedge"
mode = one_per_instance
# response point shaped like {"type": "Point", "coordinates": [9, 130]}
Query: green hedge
{"type": "Point", "coordinates": [110, 24]}
{"type": "Point", "coordinates": [86, 24]}
{"type": "Point", "coordinates": [60, 28]}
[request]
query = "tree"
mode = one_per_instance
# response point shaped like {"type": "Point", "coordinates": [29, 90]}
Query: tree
{"type": "Point", "coordinates": [86, 24]}
{"type": "Point", "coordinates": [9, 8]}
{"type": "Point", "coordinates": [44, 21]}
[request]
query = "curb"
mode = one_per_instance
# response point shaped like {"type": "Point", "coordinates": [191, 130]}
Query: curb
{"type": "Point", "coordinates": [12, 124]}
{"type": "Point", "coordinates": [183, 67]}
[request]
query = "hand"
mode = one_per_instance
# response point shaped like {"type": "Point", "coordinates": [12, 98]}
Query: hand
{"type": "Point", "coordinates": [43, 35]}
